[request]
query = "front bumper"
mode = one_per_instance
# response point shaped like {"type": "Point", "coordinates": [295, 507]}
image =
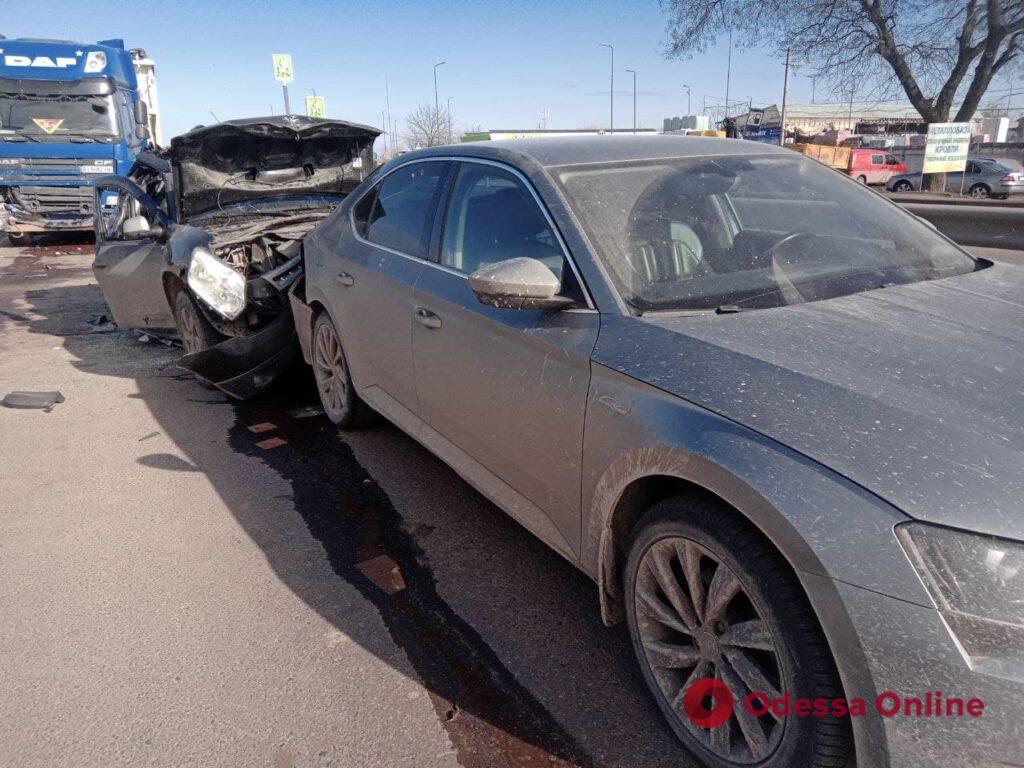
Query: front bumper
{"type": "Point", "coordinates": [910, 652]}
{"type": "Point", "coordinates": [17, 220]}
{"type": "Point", "coordinates": [244, 366]}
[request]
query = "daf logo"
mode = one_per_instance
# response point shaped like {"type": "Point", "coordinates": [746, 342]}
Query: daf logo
{"type": "Point", "coordinates": [59, 62]}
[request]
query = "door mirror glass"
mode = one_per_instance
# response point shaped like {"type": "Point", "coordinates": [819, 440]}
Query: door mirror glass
{"type": "Point", "coordinates": [136, 225]}
{"type": "Point", "coordinates": [519, 283]}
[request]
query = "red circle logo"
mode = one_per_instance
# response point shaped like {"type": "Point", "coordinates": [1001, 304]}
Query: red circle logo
{"type": "Point", "coordinates": [708, 703]}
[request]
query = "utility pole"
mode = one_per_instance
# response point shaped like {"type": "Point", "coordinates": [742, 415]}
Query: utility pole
{"type": "Point", "coordinates": [287, 106]}
{"type": "Point", "coordinates": [450, 137]}
{"type": "Point", "coordinates": [387, 122]}
{"type": "Point", "coordinates": [633, 71]}
{"type": "Point", "coordinates": [728, 71]}
{"type": "Point", "coordinates": [785, 95]}
{"type": "Point", "coordinates": [688, 110]}
{"type": "Point", "coordinates": [611, 89]}
{"type": "Point", "coordinates": [437, 108]}
{"type": "Point", "coordinates": [384, 130]}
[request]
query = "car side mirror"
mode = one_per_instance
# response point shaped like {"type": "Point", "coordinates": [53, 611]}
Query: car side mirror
{"type": "Point", "coordinates": [141, 120]}
{"type": "Point", "coordinates": [138, 228]}
{"type": "Point", "coordinates": [520, 283]}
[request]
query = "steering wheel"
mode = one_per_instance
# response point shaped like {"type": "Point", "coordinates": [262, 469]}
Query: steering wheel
{"type": "Point", "coordinates": [788, 238]}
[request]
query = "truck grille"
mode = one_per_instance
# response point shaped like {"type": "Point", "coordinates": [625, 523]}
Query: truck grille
{"type": "Point", "coordinates": [53, 164]}
{"type": "Point", "coordinates": [54, 199]}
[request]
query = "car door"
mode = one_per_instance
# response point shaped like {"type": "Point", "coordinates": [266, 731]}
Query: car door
{"type": "Point", "coordinates": [130, 271]}
{"type": "Point", "coordinates": [369, 279]}
{"type": "Point", "coordinates": [502, 392]}
{"type": "Point", "coordinates": [957, 179]}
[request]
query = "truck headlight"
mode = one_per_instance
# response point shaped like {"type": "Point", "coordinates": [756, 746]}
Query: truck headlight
{"type": "Point", "coordinates": [96, 61]}
{"type": "Point", "coordinates": [216, 283]}
{"type": "Point", "coordinates": [978, 584]}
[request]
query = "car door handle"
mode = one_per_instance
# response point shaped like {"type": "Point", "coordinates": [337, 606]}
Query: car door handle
{"type": "Point", "coordinates": [427, 318]}
{"type": "Point", "coordinates": [346, 279]}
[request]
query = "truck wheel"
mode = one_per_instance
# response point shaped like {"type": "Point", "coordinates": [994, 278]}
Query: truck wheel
{"type": "Point", "coordinates": [21, 241]}
{"type": "Point", "coordinates": [715, 614]}
{"type": "Point", "coordinates": [862, 179]}
{"type": "Point", "coordinates": [333, 381]}
{"type": "Point", "coordinates": [979, 190]}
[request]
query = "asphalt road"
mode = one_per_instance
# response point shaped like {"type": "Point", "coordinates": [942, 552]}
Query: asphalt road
{"type": "Point", "coordinates": [174, 594]}
{"type": "Point", "coordinates": [186, 580]}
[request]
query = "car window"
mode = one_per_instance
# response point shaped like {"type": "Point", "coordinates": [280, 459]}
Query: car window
{"type": "Point", "coordinates": [891, 160]}
{"type": "Point", "coordinates": [747, 232]}
{"type": "Point", "coordinates": [973, 168]}
{"type": "Point", "coordinates": [492, 217]}
{"type": "Point", "coordinates": [396, 212]}
{"type": "Point", "coordinates": [877, 160]}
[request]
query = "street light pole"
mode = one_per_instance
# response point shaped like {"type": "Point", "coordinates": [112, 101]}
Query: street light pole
{"type": "Point", "coordinates": [611, 90]}
{"type": "Point", "coordinates": [728, 73]}
{"type": "Point", "coordinates": [450, 137]}
{"type": "Point", "coordinates": [633, 71]}
{"type": "Point", "coordinates": [436, 106]}
{"type": "Point", "coordinates": [688, 110]}
{"type": "Point", "coordinates": [785, 95]}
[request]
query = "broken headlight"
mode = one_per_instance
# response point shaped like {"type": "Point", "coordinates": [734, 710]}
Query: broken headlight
{"type": "Point", "coordinates": [216, 283]}
{"type": "Point", "coordinates": [977, 582]}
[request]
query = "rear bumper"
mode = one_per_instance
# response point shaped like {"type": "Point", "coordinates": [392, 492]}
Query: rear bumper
{"type": "Point", "coordinates": [244, 366]}
{"type": "Point", "coordinates": [1010, 189]}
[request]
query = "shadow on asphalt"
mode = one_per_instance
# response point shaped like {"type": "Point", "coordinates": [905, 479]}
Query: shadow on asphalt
{"type": "Point", "coordinates": [469, 572]}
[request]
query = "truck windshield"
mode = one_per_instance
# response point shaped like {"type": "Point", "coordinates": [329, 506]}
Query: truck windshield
{"type": "Point", "coordinates": [57, 118]}
{"type": "Point", "coordinates": [730, 233]}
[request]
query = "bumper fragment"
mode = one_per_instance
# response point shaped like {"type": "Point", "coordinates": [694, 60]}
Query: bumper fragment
{"type": "Point", "coordinates": [16, 220]}
{"type": "Point", "coordinates": [243, 366]}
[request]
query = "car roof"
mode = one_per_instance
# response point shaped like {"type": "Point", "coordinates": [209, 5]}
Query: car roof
{"type": "Point", "coordinates": [578, 150]}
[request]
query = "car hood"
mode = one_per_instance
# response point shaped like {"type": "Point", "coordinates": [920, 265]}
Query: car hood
{"type": "Point", "coordinates": [914, 392]}
{"type": "Point", "coordinates": [264, 157]}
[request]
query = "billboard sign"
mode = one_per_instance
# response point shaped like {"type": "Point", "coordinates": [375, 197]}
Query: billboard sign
{"type": "Point", "coordinates": [947, 147]}
{"type": "Point", "coordinates": [315, 106]}
{"type": "Point", "coordinates": [283, 71]}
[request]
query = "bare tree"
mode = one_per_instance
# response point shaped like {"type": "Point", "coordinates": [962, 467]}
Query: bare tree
{"type": "Point", "coordinates": [941, 53]}
{"type": "Point", "coordinates": [427, 127]}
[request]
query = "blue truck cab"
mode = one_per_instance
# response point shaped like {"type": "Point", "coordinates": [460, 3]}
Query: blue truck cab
{"type": "Point", "coordinates": [69, 113]}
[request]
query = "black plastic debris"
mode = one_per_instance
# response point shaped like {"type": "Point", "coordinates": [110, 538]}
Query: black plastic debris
{"type": "Point", "coordinates": [98, 319]}
{"type": "Point", "coordinates": [40, 400]}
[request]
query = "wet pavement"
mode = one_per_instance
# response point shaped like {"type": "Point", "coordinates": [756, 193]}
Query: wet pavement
{"type": "Point", "coordinates": [189, 580]}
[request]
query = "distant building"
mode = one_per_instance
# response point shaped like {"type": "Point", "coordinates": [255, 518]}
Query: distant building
{"type": "Point", "coordinates": [536, 133]}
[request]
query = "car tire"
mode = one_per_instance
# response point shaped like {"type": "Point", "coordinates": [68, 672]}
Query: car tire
{"type": "Point", "coordinates": [903, 186]}
{"type": "Point", "coordinates": [862, 179]}
{"type": "Point", "coordinates": [979, 190]}
{"type": "Point", "coordinates": [338, 396]}
{"type": "Point", "coordinates": [194, 330]}
{"type": "Point", "coordinates": [759, 631]}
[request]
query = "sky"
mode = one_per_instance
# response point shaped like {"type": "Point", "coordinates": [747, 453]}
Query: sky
{"type": "Point", "coordinates": [506, 62]}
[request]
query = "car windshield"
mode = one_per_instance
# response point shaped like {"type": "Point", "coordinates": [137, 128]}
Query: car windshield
{"type": "Point", "coordinates": [49, 118]}
{"type": "Point", "coordinates": [748, 232]}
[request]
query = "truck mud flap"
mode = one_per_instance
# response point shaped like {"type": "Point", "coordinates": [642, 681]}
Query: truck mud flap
{"type": "Point", "coordinates": [243, 366]}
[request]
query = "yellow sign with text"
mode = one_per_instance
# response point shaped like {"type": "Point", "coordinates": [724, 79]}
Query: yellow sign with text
{"type": "Point", "coordinates": [947, 147]}
{"type": "Point", "coordinates": [283, 71]}
{"type": "Point", "coordinates": [315, 106]}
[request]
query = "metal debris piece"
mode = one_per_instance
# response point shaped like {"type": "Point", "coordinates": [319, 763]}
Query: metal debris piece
{"type": "Point", "coordinates": [306, 413]}
{"type": "Point", "coordinates": [263, 426]}
{"type": "Point", "coordinates": [384, 572]}
{"type": "Point", "coordinates": [41, 400]}
{"type": "Point", "coordinates": [269, 443]}
{"type": "Point", "coordinates": [97, 319]}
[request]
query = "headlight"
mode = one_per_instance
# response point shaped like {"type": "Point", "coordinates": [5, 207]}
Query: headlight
{"type": "Point", "coordinates": [216, 283]}
{"type": "Point", "coordinates": [977, 583]}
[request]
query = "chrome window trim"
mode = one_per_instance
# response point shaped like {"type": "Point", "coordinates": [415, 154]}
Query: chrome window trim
{"type": "Point", "coordinates": [479, 161]}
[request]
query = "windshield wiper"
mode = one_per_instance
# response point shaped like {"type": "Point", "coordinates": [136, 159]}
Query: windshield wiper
{"type": "Point", "coordinates": [18, 136]}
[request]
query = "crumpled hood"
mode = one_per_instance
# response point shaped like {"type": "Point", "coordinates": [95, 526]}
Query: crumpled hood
{"type": "Point", "coordinates": [914, 392]}
{"type": "Point", "coordinates": [265, 157]}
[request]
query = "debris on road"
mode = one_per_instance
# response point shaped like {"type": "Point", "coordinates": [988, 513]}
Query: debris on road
{"type": "Point", "coordinates": [384, 572]}
{"type": "Point", "coordinates": [272, 442]}
{"type": "Point", "coordinates": [40, 400]}
{"type": "Point", "coordinates": [263, 426]}
{"type": "Point", "coordinates": [306, 413]}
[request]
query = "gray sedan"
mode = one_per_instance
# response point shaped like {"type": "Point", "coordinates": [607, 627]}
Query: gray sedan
{"type": "Point", "coordinates": [772, 415]}
{"type": "Point", "coordinates": [982, 177]}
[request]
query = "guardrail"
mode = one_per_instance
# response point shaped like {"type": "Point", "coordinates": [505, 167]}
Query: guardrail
{"type": "Point", "coordinates": [982, 223]}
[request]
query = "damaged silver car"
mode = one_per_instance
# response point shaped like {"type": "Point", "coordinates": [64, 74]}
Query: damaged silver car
{"type": "Point", "coordinates": [203, 244]}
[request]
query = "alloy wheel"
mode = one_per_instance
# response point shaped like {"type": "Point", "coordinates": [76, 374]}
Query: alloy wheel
{"type": "Point", "coordinates": [695, 621]}
{"type": "Point", "coordinates": [191, 338]}
{"type": "Point", "coordinates": [329, 368]}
